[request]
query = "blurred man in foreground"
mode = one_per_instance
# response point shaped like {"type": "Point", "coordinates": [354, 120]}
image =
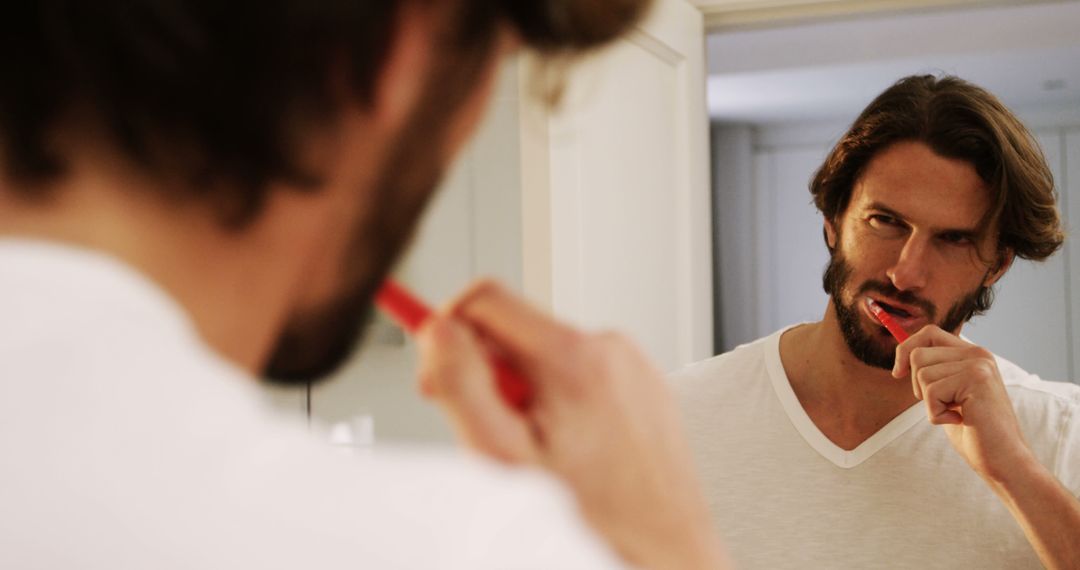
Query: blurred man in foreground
{"type": "Point", "coordinates": [195, 193]}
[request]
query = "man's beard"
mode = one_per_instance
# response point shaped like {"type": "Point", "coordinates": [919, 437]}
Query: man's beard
{"type": "Point", "coordinates": [316, 343]}
{"type": "Point", "coordinates": [877, 348]}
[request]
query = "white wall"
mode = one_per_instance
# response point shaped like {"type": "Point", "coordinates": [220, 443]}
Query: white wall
{"type": "Point", "coordinates": [735, 318]}
{"type": "Point", "coordinates": [768, 232]}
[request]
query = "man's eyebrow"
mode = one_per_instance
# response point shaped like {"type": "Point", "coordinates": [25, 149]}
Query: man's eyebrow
{"type": "Point", "coordinates": [886, 210]}
{"type": "Point", "coordinates": [965, 232]}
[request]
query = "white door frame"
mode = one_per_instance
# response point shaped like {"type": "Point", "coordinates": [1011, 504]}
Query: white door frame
{"type": "Point", "coordinates": [728, 14]}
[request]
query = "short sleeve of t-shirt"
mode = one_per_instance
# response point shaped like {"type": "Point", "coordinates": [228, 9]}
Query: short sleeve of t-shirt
{"type": "Point", "coordinates": [1067, 464]}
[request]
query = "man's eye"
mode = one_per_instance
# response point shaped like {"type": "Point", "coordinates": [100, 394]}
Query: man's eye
{"type": "Point", "coordinates": [881, 220]}
{"type": "Point", "coordinates": [956, 238]}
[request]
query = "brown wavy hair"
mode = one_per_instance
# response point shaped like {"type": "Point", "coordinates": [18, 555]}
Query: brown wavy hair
{"type": "Point", "coordinates": [216, 93]}
{"type": "Point", "coordinates": [957, 120]}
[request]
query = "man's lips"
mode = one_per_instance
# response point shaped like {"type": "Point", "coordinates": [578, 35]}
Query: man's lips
{"type": "Point", "coordinates": [907, 316]}
{"type": "Point", "coordinates": [895, 310]}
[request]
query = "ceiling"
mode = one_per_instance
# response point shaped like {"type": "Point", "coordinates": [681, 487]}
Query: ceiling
{"type": "Point", "coordinates": [1029, 55]}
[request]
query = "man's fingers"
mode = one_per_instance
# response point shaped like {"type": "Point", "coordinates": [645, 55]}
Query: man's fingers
{"type": "Point", "coordinates": [944, 398]}
{"type": "Point", "coordinates": [925, 363]}
{"type": "Point", "coordinates": [926, 375]}
{"type": "Point", "coordinates": [948, 417]}
{"type": "Point", "coordinates": [927, 337]}
{"type": "Point", "coordinates": [525, 335]}
{"type": "Point", "coordinates": [922, 358]}
{"type": "Point", "coordinates": [456, 372]}
{"type": "Point", "coordinates": [929, 356]}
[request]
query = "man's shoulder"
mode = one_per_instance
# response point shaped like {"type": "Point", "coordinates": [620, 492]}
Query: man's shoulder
{"type": "Point", "coordinates": [444, 501]}
{"type": "Point", "coordinates": [1049, 414]}
{"type": "Point", "coordinates": [728, 371]}
{"type": "Point", "coordinates": [1029, 390]}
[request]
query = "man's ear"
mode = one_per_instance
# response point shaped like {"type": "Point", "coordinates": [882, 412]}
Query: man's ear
{"type": "Point", "coordinates": [403, 75]}
{"type": "Point", "coordinates": [1004, 262]}
{"type": "Point", "coordinates": [830, 235]}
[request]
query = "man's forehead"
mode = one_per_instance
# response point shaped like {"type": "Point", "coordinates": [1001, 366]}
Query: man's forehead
{"type": "Point", "coordinates": [914, 183]}
{"type": "Point", "coordinates": [932, 214]}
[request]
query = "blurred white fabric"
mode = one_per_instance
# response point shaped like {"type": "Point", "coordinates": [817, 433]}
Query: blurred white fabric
{"type": "Point", "coordinates": [125, 442]}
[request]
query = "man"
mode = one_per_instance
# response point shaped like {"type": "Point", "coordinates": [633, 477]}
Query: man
{"type": "Point", "coordinates": [828, 445]}
{"type": "Point", "coordinates": [195, 193]}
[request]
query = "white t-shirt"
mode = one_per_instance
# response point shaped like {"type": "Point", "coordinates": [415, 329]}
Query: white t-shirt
{"type": "Point", "coordinates": [126, 443]}
{"type": "Point", "coordinates": [784, 496]}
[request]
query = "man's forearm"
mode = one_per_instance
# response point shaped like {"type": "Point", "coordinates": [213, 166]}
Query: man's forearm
{"type": "Point", "coordinates": [1046, 510]}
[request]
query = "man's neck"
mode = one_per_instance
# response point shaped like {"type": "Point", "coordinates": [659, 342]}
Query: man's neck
{"type": "Point", "coordinates": [212, 273]}
{"type": "Point", "coordinates": [847, 399]}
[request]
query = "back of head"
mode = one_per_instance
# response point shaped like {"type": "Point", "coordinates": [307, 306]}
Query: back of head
{"type": "Point", "coordinates": [961, 121]}
{"type": "Point", "coordinates": [214, 95]}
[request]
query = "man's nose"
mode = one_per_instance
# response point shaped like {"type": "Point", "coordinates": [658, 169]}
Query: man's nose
{"type": "Point", "coordinates": [911, 269]}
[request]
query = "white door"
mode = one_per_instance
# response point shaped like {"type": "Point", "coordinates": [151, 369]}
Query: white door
{"type": "Point", "coordinates": [617, 221]}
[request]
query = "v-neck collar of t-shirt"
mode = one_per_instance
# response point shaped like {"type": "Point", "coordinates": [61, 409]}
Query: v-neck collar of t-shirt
{"type": "Point", "coordinates": [840, 457]}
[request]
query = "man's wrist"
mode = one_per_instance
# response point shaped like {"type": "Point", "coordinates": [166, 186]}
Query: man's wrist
{"type": "Point", "coordinates": [689, 542]}
{"type": "Point", "coordinates": [1016, 474]}
{"type": "Point", "coordinates": [704, 552]}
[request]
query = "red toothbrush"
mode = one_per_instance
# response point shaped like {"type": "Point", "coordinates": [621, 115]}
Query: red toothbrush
{"type": "Point", "coordinates": [409, 312]}
{"type": "Point", "coordinates": [887, 321]}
